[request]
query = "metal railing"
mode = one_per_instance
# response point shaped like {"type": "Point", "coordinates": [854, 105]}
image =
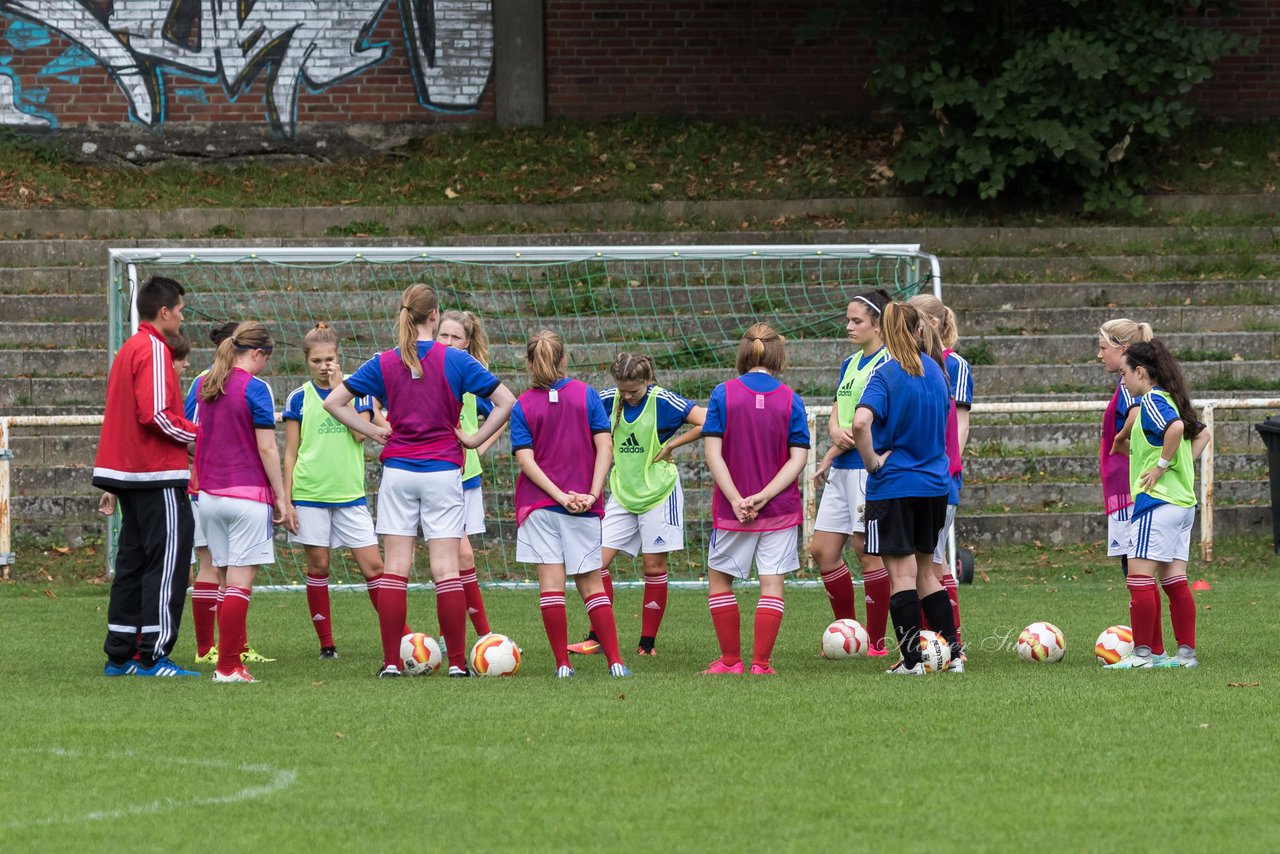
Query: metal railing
{"type": "Point", "coordinates": [817, 416]}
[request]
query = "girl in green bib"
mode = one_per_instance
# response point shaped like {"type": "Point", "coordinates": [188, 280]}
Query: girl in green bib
{"type": "Point", "coordinates": [1165, 442]}
{"type": "Point", "coordinates": [463, 330]}
{"type": "Point", "coordinates": [645, 512]}
{"type": "Point", "coordinates": [324, 477]}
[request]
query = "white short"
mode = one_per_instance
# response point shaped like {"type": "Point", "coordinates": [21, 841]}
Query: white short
{"type": "Point", "coordinates": [843, 500]}
{"type": "Point", "coordinates": [549, 537]}
{"type": "Point", "coordinates": [940, 550]}
{"type": "Point", "coordinates": [653, 532]}
{"type": "Point", "coordinates": [774, 552]}
{"type": "Point", "coordinates": [334, 527]}
{"type": "Point", "coordinates": [199, 542]}
{"type": "Point", "coordinates": [1162, 534]}
{"type": "Point", "coordinates": [473, 510]}
{"type": "Point", "coordinates": [432, 499]}
{"type": "Point", "coordinates": [238, 531]}
{"type": "Point", "coordinates": [1118, 532]}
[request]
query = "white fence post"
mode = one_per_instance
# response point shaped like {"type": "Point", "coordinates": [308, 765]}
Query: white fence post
{"type": "Point", "coordinates": [1206, 487]}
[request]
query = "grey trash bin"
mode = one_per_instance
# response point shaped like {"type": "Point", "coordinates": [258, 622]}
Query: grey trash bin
{"type": "Point", "coordinates": [1270, 432]}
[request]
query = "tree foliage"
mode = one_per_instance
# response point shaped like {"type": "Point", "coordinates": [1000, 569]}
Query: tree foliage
{"type": "Point", "coordinates": [1039, 99]}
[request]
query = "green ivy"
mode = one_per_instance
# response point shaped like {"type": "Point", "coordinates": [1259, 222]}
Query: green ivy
{"type": "Point", "coordinates": [1036, 99]}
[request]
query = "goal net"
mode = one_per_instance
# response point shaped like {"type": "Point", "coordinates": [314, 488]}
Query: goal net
{"type": "Point", "coordinates": [685, 306]}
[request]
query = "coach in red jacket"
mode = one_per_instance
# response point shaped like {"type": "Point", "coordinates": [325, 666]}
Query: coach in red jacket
{"type": "Point", "coordinates": [142, 458]}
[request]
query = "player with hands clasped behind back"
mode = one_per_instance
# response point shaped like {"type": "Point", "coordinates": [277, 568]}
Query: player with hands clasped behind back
{"type": "Point", "coordinates": [1163, 446]}
{"type": "Point", "coordinates": [560, 438]}
{"type": "Point", "coordinates": [900, 430]}
{"type": "Point", "coordinates": [241, 489]}
{"type": "Point", "coordinates": [324, 478]}
{"type": "Point", "coordinates": [840, 513]}
{"type": "Point", "coordinates": [422, 384]}
{"type": "Point", "coordinates": [756, 441]}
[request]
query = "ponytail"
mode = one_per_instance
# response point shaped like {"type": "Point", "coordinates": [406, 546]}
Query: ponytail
{"type": "Point", "coordinates": [1153, 357]}
{"type": "Point", "coordinates": [473, 328]}
{"type": "Point", "coordinates": [762, 347]}
{"type": "Point", "coordinates": [933, 309]}
{"type": "Point", "coordinates": [1122, 332]}
{"type": "Point", "coordinates": [417, 303]}
{"type": "Point", "coordinates": [899, 326]}
{"type": "Point", "coordinates": [250, 335]}
{"type": "Point", "coordinates": [320, 336]}
{"type": "Point", "coordinates": [545, 355]}
{"type": "Point", "coordinates": [630, 367]}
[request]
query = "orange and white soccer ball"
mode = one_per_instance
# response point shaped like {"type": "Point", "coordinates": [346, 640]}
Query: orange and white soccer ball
{"type": "Point", "coordinates": [845, 639]}
{"type": "Point", "coordinates": [495, 655]}
{"type": "Point", "coordinates": [1114, 644]}
{"type": "Point", "coordinates": [1041, 642]}
{"type": "Point", "coordinates": [419, 654]}
{"type": "Point", "coordinates": [935, 652]}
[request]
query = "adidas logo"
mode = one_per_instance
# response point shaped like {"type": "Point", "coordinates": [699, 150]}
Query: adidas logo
{"type": "Point", "coordinates": [631, 446]}
{"type": "Point", "coordinates": [317, 618]}
{"type": "Point", "coordinates": [830, 595]}
{"type": "Point", "coordinates": [869, 600]}
{"type": "Point", "coordinates": [658, 541]}
{"type": "Point", "coordinates": [652, 606]}
{"type": "Point", "coordinates": [473, 610]}
{"type": "Point", "coordinates": [1115, 544]}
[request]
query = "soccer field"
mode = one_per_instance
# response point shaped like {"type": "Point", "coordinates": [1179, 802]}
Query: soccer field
{"type": "Point", "coordinates": [320, 755]}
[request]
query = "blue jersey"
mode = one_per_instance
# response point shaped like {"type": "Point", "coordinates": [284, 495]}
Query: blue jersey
{"type": "Point", "coordinates": [672, 410]}
{"type": "Point", "coordinates": [596, 417]}
{"type": "Point", "coordinates": [1155, 418]}
{"type": "Point", "coordinates": [1124, 403]}
{"type": "Point", "coordinates": [910, 420]}
{"type": "Point", "coordinates": [797, 427]}
{"type": "Point", "coordinates": [960, 384]}
{"type": "Point", "coordinates": [293, 404]}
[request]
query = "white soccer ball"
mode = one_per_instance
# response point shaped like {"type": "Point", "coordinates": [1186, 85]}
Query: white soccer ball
{"type": "Point", "coordinates": [495, 655]}
{"type": "Point", "coordinates": [1114, 644]}
{"type": "Point", "coordinates": [845, 639]}
{"type": "Point", "coordinates": [1041, 642]}
{"type": "Point", "coordinates": [935, 652]}
{"type": "Point", "coordinates": [419, 654]}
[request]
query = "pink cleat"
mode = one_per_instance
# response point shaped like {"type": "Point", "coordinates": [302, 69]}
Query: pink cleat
{"type": "Point", "coordinates": [876, 651]}
{"type": "Point", "coordinates": [763, 670]}
{"type": "Point", "coordinates": [719, 668]}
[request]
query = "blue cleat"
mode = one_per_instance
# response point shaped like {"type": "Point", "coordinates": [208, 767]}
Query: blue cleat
{"type": "Point", "coordinates": [164, 667]}
{"type": "Point", "coordinates": [619, 669]}
{"type": "Point", "coordinates": [127, 669]}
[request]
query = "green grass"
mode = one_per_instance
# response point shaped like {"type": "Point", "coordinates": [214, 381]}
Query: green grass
{"type": "Point", "coordinates": [1008, 755]}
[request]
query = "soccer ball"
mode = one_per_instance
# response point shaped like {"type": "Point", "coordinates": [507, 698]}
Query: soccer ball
{"type": "Point", "coordinates": [419, 654]}
{"type": "Point", "coordinates": [844, 639]}
{"type": "Point", "coordinates": [1114, 644]}
{"type": "Point", "coordinates": [495, 655]}
{"type": "Point", "coordinates": [1041, 642]}
{"type": "Point", "coordinates": [935, 652]}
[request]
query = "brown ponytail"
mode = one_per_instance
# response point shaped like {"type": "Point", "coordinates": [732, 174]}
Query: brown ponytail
{"type": "Point", "coordinates": [250, 335]}
{"type": "Point", "coordinates": [762, 347]}
{"type": "Point", "coordinates": [630, 367]}
{"type": "Point", "coordinates": [416, 306]}
{"type": "Point", "coordinates": [1165, 372]}
{"type": "Point", "coordinates": [320, 336]}
{"type": "Point", "coordinates": [545, 355]}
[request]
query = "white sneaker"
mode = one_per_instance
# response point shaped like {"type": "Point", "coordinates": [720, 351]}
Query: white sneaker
{"type": "Point", "coordinates": [956, 666]}
{"type": "Point", "coordinates": [1131, 662]}
{"type": "Point", "coordinates": [1178, 660]}
{"type": "Point", "coordinates": [619, 669]}
{"type": "Point", "coordinates": [564, 671]}
{"type": "Point", "coordinates": [901, 669]}
{"type": "Point", "coordinates": [240, 674]}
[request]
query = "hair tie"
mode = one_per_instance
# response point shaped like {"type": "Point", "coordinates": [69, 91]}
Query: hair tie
{"type": "Point", "coordinates": [873, 306]}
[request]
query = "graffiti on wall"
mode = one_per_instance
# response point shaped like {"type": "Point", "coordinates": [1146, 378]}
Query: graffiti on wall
{"type": "Point", "coordinates": [150, 46]}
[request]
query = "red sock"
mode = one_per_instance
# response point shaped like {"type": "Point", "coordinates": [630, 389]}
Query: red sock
{"type": "Point", "coordinates": [1157, 638]}
{"type": "Point", "coordinates": [839, 584]}
{"type": "Point", "coordinates": [608, 582]}
{"type": "Point", "coordinates": [451, 611]}
{"type": "Point", "coordinates": [475, 602]}
{"type": "Point", "coordinates": [372, 585]}
{"type": "Point", "coordinates": [1142, 608]}
{"type": "Point", "coordinates": [600, 613]}
{"type": "Point", "coordinates": [728, 625]}
{"type": "Point", "coordinates": [1182, 610]}
{"type": "Point", "coordinates": [318, 605]}
{"type": "Point", "coordinates": [655, 605]}
{"type": "Point", "coordinates": [875, 589]}
{"type": "Point", "coordinates": [204, 614]}
{"type": "Point", "coordinates": [556, 625]}
{"type": "Point", "coordinates": [393, 605]}
{"type": "Point", "coordinates": [953, 593]}
{"type": "Point", "coordinates": [768, 621]}
{"type": "Point", "coordinates": [231, 628]}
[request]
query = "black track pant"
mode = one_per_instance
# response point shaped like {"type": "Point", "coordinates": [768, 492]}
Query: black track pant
{"type": "Point", "coordinates": [153, 566]}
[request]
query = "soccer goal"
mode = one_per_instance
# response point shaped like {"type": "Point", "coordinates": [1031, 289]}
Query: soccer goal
{"type": "Point", "coordinates": [685, 306]}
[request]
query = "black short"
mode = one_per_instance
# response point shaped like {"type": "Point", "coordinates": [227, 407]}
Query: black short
{"type": "Point", "coordinates": [903, 526]}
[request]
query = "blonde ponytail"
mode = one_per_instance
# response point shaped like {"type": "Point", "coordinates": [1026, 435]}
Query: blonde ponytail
{"type": "Point", "coordinates": [416, 306]}
{"type": "Point", "coordinates": [932, 308]}
{"type": "Point", "coordinates": [899, 326]}
{"type": "Point", "coordinates": [545, 355]}
{"type": "Point", "coordinates": [250, 335]}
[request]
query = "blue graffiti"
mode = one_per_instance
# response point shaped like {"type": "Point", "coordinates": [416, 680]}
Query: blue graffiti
{"type": "Point", "coordinates": [191, 93]}
{"type": "Point", "coordinates": [24, 36]}
{"type": "Point", "coordinates": [68, 63]}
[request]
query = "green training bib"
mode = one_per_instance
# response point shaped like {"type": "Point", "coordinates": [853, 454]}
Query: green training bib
{"type": "Point", "coordinates": [470, 423]}
{"type": "Point", "coordinates": [1177, 485]}
{"type": "Point", "coordinates": [637, 482]}
{"type": "Point", "coordinates": [854, 380]}
{"type": "Point", "coordinates": [330, 466]}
